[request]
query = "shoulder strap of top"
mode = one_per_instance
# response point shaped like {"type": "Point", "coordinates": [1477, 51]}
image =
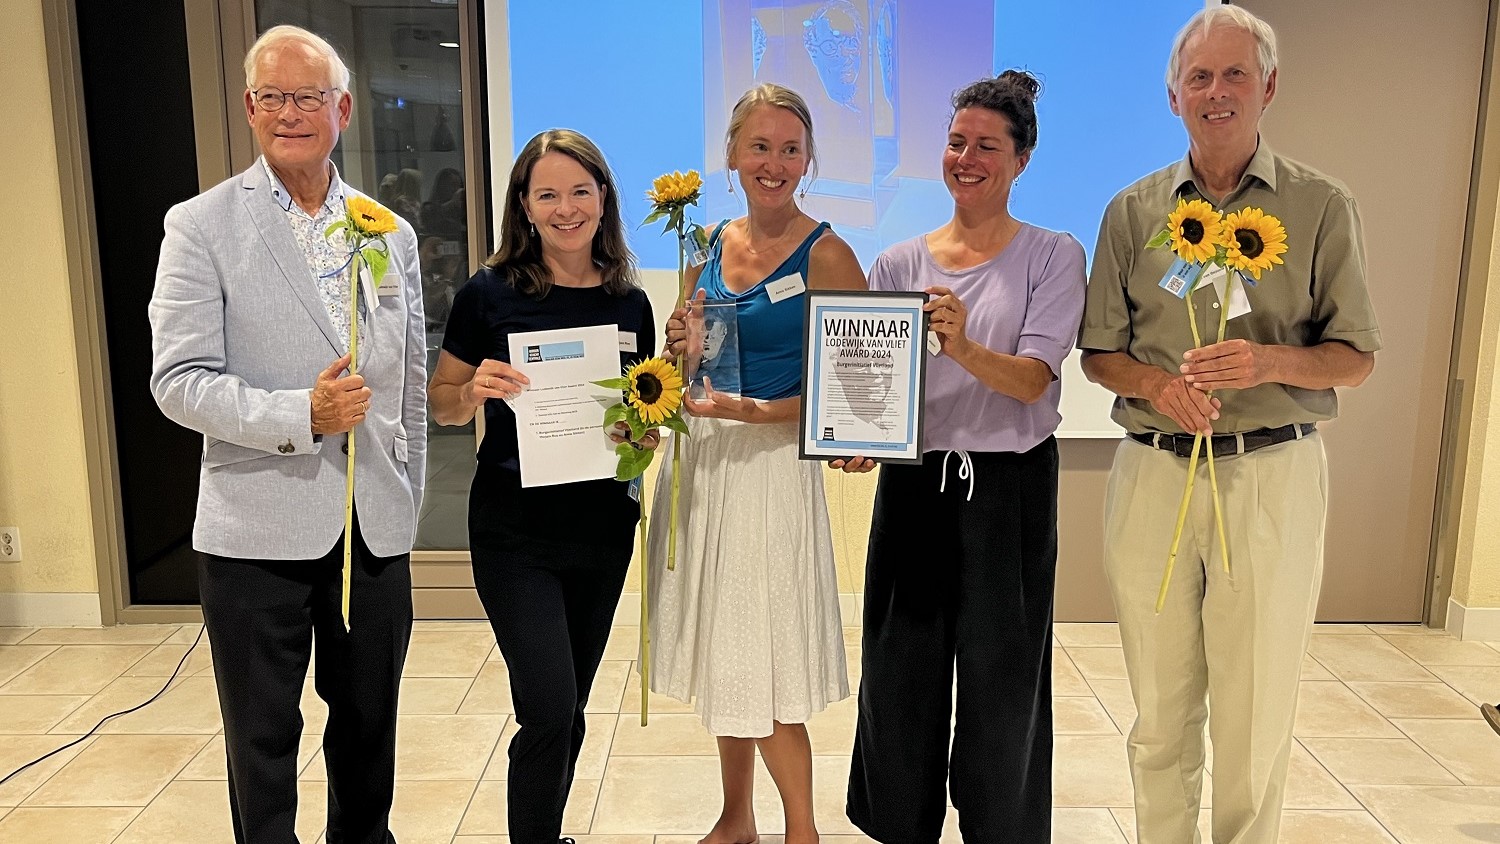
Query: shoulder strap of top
{"type": "Point", "coordinates": [800, 256]}
{"type": "Point", "coordinates": [713, 238]}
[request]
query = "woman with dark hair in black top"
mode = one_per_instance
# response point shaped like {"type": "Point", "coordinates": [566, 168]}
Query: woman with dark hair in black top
{"type": "Point", "coordinates": [548, 587]}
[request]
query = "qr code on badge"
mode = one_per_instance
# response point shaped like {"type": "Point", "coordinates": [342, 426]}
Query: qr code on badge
{"type": "Point", "coordinates": [1175, 284]}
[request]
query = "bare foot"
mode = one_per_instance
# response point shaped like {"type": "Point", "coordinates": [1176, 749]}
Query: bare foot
{"type": "Point", "coordinates": [802, 837]}
{"type": "Point", "coordinates": [733, 831]}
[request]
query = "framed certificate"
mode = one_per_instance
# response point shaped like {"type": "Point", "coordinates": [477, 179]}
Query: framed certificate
{"type": "Point", "coordinates": [863, 374]}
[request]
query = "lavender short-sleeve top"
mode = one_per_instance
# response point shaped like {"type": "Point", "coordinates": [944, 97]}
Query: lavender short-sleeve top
{"type": "Point", "coordinates": [1026, 301]}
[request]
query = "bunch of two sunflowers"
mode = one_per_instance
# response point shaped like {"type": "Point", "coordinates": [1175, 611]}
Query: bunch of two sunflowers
{"type": "Point", "coordinates": [1245, 241]}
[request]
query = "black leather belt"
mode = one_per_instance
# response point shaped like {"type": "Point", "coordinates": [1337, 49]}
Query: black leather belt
{"type": "Point", "coordinates": [1227, 445]}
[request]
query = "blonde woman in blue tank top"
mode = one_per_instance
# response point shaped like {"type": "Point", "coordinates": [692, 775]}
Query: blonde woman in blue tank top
{"type": "Point", "coordinates": [747, 627]}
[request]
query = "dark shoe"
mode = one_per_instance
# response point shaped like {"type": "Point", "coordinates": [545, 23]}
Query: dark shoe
{"type": "Point", "coordinates": [566, 841]}
{"type": "Point", "coordinates": [1492, 715]}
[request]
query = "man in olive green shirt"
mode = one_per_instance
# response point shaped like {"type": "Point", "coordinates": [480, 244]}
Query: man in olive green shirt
{"type": "Point", "coordinates": [1236, 637]}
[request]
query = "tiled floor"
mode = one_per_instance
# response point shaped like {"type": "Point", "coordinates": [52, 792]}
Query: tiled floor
{"type": "Point", "coordinates": [1390, 745]}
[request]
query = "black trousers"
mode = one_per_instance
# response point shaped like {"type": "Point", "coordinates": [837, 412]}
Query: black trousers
{"type": "Point", "coordinates": [262, 618]}
{"type": "Point", "coordinates": [966, 583]}
{"type": "Point", "coordinates": [551, 604]}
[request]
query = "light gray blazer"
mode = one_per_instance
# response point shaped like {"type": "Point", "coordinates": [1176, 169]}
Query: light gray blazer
{"type": "Point", "coordinates": [238, 337]}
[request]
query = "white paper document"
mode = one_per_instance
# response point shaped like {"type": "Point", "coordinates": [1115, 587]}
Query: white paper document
{"type": "Point", "coordinates": [560, 416]}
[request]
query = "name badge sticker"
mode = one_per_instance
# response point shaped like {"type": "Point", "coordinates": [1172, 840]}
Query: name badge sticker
{"type": "Point", "coordinates": [786, 287]}
{"type": "Point", "coordinates": [628, 342]}
{"type": "Point", "coordinates": [390, 285]}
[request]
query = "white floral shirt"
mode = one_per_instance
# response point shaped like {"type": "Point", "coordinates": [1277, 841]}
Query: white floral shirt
{"type": "Point", "coordinates": [327, 257]}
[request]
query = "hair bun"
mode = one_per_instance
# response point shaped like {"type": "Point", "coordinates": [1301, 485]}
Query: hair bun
{"type": "Point", "coordinates": [1023, 82]}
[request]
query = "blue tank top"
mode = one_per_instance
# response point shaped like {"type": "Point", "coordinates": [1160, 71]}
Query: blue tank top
{"type": "Point", "coordinates": [770, 334]}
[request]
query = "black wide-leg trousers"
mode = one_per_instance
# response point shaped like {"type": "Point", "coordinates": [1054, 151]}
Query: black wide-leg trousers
{"type": "Point", "coordinates": [965, 584]}
{"type": "Point", "coordinates": [263, 617]}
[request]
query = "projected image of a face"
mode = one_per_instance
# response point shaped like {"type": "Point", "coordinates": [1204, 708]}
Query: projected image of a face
{"type": "Point", "coordinates": [834, 38]}
{"type": "Point", "coordinates": [885, 49]}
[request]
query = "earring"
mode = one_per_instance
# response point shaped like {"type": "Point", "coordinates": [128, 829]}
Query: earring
{"type": "Point", "coordinates": [729, 179]}
{"type": "Point", "coordinates": [533, 229]}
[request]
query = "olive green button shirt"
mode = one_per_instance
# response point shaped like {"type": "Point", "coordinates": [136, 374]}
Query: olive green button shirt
{"type": "Point", "coordinates": [1318, 294]}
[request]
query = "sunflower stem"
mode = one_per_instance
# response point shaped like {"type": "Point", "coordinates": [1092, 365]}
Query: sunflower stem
{"type": "Point", "coordinates": [1187, 490]}
{"type": "Point", "coordinates": [1187, 494]}
{"type": "Point", "coordinates": [1213, 475]}
{"type": "Point", "coordinates": [676, 437]}
{"type": "Point", "coordinates": [348, 573]}
{"type": "Point", "coordinates": [645, 614]}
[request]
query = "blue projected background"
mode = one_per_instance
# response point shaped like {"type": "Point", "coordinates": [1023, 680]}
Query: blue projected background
{"type": "Point", "coordinates": [652, 84]}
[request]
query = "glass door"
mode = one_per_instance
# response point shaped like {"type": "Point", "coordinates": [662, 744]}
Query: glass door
{"type": "Point", "coordinates": [407, 146]}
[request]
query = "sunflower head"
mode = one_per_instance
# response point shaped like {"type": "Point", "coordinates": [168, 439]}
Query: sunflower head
{"type": "Point", "coordinates": [654, 388]}
{"type": "Point", "coordinates": [1256, 241]}
{"type": "Point", "coordinates": [675, 188]}
{"type": "Point", "coordinates": [368, 218]}
{"type": "Point", "coordinates": [1195, 231]}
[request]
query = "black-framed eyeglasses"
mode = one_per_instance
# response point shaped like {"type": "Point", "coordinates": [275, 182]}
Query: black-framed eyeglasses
{"type": "Point", "coordinates": [307, 99]}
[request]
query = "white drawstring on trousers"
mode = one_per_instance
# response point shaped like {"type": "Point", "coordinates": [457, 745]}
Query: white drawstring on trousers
{"type": "Point", "coordinates": [965, 471]}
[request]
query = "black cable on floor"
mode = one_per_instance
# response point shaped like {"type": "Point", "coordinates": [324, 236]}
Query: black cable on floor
{"type": "Point", "coordinates": [175, 672]}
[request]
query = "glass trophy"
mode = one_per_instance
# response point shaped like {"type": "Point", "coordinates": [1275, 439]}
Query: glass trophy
{"type": "Point", "coordinates": [713, 343]}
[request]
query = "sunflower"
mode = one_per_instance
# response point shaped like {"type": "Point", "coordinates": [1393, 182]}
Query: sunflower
{"type": "Point", "coordinates": [654, 388]}
{"type": "Point", "coordinates": [369, 218]}
{"type": "Point", "coordinates": [1195, 231]}
{"type": "Point", "coordinates": [675, 188]}
{"type": "Point", "coordinates": [1256, 241]}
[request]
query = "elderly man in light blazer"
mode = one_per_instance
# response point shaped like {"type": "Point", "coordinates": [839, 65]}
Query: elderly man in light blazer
{"type": "Point", "coordinates": [250, 330]}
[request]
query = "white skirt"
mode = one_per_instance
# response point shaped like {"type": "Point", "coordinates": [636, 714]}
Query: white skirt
{"type": "Point", "coordinates": [747, 627]}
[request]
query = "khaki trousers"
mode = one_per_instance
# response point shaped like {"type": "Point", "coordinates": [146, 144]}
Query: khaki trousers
{"type": "Point", "coordinates": [1231, 641]}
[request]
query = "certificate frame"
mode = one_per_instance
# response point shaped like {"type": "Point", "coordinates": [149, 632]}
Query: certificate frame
{"type": "Point", "coordinates": [887, 336]}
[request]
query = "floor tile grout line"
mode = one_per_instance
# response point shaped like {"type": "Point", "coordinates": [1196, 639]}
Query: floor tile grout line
{"type": "Point", "coordinates": [608, 753]}
{"type": "Point", "coordinates": [39, 659]}
{"type": "Point", "coordinates": [1452, 773]}
{"type": "Point", "coordinates": [479, 780]}
{"type": "Point", "coordinates": [1119, 825]}
{"type": "Point", "coordinates": [603, 775]}
{"type": "Point", "coordinates": [82, 746]}
{"type": "Point", "coordinates": [133, 818]}
{"type": "Point", "coordinates": [1319, 762]}
{"type": "Point", "coordinates": [1120, 729]}
{"type": "Point", "coordinates": [1456, 690]}
{"type": "Point", "coordinates": [165, 783]}
{"type": "Point", "coordinates": [1391, 638]}
{"type": "Point", "coordinates": [1371, 812]}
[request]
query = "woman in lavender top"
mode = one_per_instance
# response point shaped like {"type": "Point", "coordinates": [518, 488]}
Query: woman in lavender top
{"type": "Point", "coordinates": [963, 548]}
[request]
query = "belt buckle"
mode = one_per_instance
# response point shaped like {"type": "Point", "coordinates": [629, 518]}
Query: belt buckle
{"type": "Point", "coordinates": [1182, 446]}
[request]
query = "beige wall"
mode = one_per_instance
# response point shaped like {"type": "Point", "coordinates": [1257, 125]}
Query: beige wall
{"type": "Point", "coordinates": [43, 481]}
{"type": "Point", "coordinates": [1476, 573]}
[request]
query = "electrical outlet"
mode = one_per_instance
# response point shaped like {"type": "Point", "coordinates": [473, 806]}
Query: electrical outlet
{"type": "Point", "coordinates": [10, 544]}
